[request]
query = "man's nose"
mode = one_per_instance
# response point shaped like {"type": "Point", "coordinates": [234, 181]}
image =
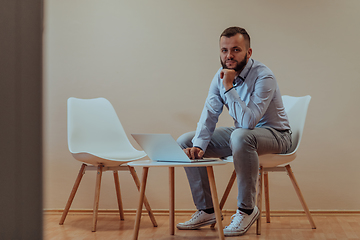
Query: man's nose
{"type": "Point", "coordinates": [229, 56]}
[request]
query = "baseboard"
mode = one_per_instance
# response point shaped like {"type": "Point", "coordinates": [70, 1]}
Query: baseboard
{"type": "Point", "coordinates": [160, 212]}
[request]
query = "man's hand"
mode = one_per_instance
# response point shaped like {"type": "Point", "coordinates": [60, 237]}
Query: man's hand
{"type": "Point", "coordinates": [194, 152]}
{"type": "Point", "coordinates": [228, 76]}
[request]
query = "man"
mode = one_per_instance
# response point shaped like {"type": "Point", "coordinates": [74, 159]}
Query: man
{"type": "Point", "coordinates": [250, 92]}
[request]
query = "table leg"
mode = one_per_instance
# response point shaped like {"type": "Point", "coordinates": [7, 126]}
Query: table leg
{"type": "Point", "coordinates": [141, 201]}
{"type": "Point", "coordinates": [215, 201]}
{"type": "Point", "coordinates": [146, 203]}
{"type": "Point", "coordinates": [172, 200]}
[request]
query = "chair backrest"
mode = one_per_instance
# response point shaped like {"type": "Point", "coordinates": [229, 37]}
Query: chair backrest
{"type": "Point", "coordinates": [94, 127]}
{"type": "Point", "coordinates": [296, 110]}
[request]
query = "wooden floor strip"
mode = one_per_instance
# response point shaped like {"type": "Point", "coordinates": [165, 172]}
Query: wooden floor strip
{"type": "Point", "coordinates": [78, 226]}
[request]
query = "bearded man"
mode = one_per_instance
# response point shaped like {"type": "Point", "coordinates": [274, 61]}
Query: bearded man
{"type": "Point", "coordinates": [251, 94]}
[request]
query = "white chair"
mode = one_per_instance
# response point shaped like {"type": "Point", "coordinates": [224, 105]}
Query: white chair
{"type": "Point", "coordinates": [296, 109]}
{"type": "Point", "coordinates": [97, 138]}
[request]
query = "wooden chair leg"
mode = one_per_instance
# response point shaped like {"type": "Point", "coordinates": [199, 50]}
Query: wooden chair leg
{"type": "Point", "coordinates": [97, 196]}
{"type": "Point", "coordinates": [267, 199]}
{"type": "Point", "coordinates": [72, 194]}
{"type": "Point", "coordinates": [146, 203]}
{"type": "Point", "coordinates": [301, 198]}
{"type": "Point", "coordinates": [259, 201]}
{"type": "Point", "coordinates": [226, 193]}
{"type": "Point", "coordinates": [118, 194]}
{"type": "Point", "coordinates": [228, 189]}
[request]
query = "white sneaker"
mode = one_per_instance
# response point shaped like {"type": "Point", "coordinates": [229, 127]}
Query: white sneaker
{"type": "Point", "coordinates": [198, 219]}
{"type": "Point", "coordinates": [241, 222]}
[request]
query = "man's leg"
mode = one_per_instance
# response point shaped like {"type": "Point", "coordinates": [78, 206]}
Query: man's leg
{"type": "Point", "coordinates": [246, 145]}
{"type": "Point", "coordinates": [197, 176]}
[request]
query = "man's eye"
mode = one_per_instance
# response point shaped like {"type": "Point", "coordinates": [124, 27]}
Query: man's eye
{"type": "Point", "coordinates": [224, 51]}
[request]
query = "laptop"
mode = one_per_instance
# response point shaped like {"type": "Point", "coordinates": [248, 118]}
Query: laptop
{"type": "Point", "coordinates": [164, 148]}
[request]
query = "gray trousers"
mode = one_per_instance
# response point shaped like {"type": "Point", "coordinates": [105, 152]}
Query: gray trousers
{"type": "Point", "coordinates": [245, 146]}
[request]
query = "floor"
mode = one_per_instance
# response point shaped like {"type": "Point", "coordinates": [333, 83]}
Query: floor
{"type": "Point", "coordinates": [78, 226]}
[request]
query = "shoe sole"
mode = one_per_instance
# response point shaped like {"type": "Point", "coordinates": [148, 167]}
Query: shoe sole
{"type": "Point", "coordinates": [229, 234]}
{"type": "Point", "coordinates": [197, 226]}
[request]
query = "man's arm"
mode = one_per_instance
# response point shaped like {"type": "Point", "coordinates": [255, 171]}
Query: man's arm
{"type": "Point", "coordinates": [249, 115]}
{"type": "Point", "coordinates": [209, 117]}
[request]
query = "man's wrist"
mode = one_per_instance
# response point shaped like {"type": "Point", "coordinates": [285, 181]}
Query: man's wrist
{"type": "Point", "coordinates": [229, 89]}
{"type": "Point", "coordinates": [228, 85]}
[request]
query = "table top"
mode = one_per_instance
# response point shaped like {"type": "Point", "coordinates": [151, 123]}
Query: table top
{"type": "Point", "coordinates": [149, 163]}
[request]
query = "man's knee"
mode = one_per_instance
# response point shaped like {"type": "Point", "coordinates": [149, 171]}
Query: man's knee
{"type": "Point", "coordinates": [242, 138]}
{"type": "Point", "coordinates": [185, 140]}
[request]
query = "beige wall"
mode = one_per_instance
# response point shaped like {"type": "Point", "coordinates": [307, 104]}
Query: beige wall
{"type": "Point", "coordinates": [154, 61]}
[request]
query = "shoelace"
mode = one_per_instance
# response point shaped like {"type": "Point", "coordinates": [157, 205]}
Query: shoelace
{"type": "Point", "coordinates": [236, 219]}
{"type": "Point", "coordinates": [194, 216]}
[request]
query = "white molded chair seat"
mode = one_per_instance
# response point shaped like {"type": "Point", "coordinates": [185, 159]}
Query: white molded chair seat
{"type": "Point", "coordinates": [271, 160]}
{"type": "Point", "coordinates": [97, 139]}
{"type": "Point", "coordinates": [95, 134]}
{"type": "Point", "coordinates": [296, 109]}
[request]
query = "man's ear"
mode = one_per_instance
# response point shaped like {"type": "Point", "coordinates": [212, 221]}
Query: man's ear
{"type": "Point", "coordinates": [249, 53]}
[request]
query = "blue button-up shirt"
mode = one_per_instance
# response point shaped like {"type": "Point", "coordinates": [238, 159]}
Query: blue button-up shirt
{"type": "Point", "coordinates": [255, 101]}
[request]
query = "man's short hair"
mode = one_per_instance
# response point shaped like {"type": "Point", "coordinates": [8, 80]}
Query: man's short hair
{"type": "Point", "coordinates": [232, 31]}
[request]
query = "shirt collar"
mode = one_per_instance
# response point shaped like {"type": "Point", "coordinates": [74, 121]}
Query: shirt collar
{"type": "Point", "coordinates": [246, 69]}
{"type": "Point", "coordinates": [242, 76]}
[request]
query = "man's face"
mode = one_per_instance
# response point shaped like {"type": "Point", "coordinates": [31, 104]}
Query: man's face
{"type": "Point", "coordinates": [234, 53]}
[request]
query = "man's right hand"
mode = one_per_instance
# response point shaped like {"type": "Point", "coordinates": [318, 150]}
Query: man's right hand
{"type": "Point", "coordinates": [194, 153]}
{"type": "Point", "coordinates": [228, 76]}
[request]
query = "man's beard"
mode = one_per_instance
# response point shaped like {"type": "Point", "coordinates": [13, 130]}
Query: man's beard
{"type": "Point", "coordinates": [239, 67]}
